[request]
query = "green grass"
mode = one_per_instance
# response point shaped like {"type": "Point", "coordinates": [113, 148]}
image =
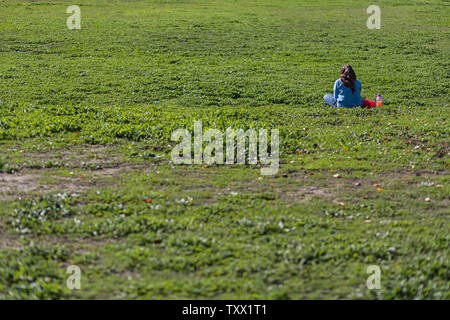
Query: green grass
{"type": "Point", "coordinates": [86, 177]}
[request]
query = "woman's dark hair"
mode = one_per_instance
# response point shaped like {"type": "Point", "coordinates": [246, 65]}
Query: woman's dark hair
{"type": "Point", "coordinates": [348, 77]}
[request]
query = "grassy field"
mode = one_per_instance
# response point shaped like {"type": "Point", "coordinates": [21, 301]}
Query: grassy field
{"type": "Point", "coordinates": [86, 176]}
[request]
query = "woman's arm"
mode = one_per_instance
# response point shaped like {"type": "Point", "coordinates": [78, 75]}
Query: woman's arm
{"type": "Point", "coordinates": [335, 89]}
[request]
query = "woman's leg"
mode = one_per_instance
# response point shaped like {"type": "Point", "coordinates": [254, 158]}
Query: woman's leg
{"type": "Point", "coordinates": [330, 100]}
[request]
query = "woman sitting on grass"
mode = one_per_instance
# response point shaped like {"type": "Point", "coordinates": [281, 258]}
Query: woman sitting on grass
{"type": "Point", "coordinates": [347, 91]}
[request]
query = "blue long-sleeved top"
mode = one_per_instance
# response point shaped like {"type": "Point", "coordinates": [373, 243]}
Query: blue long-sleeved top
{"type": "Point", "coordinates": [345, 97]}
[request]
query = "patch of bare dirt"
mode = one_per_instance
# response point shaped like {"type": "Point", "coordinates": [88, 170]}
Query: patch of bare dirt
{"type": "Point", "coordinates": [79, 156]}
{"type": "Point", "coordinates": [19, 183]}
{"type": "Point", "coordinates": [305, 193]}
{"type": "Point", "coordinates": [25, 182]}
